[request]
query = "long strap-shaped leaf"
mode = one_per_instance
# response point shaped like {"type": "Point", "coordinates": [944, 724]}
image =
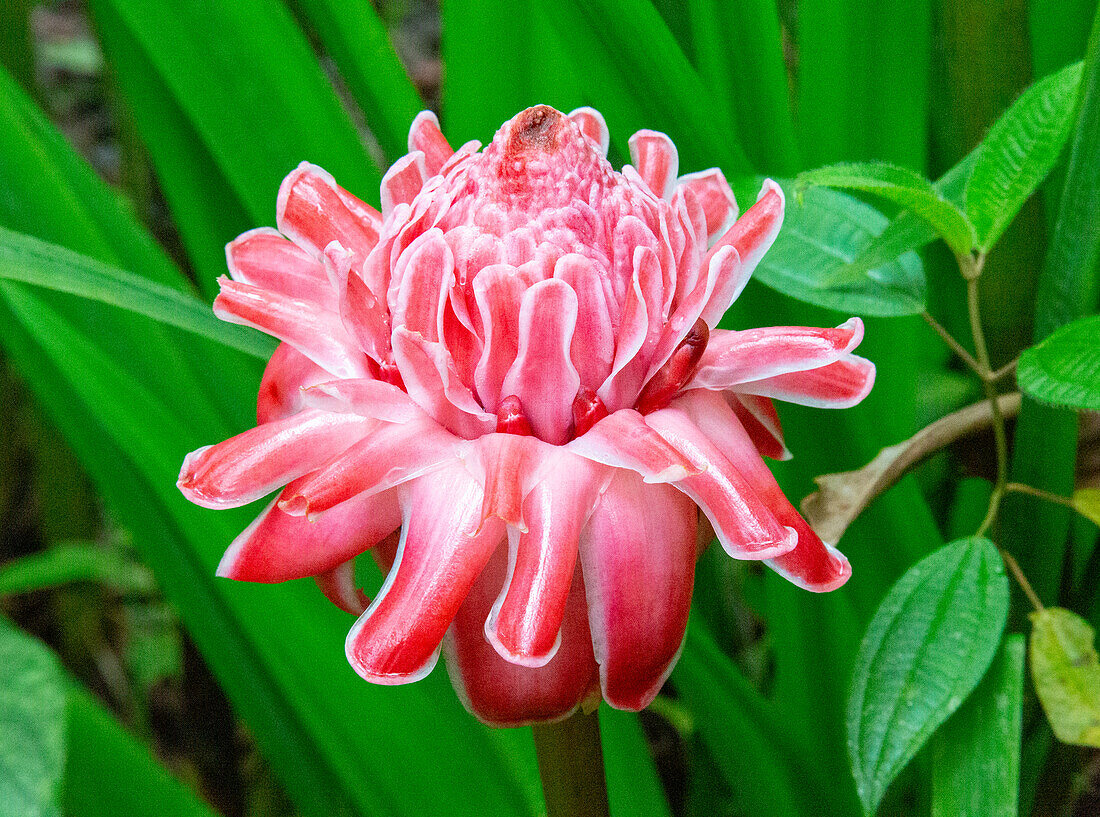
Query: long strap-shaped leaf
{"type": "Point", "coordinates": [26, 259]}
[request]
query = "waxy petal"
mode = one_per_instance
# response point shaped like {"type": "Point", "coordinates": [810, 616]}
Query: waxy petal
{"type": "Point", "coordinates": [754, 233]}
{"type": "Point", "coordinates": [543, 376]}
{"type": "Point", "coordinates": [624, 440]}
{"type": "Point", "coordinates": [842, 384]}
{"type": "Point", "coordinates": [498, 291]}
{"type": "Point", "coordinates": [526, 618]}
{"type": "Point", "coordinates": [277, 546]}
{"type": "Point", "coordinates": [812, 564]}
{"type": "Point", "coordinates": [403, 181]}
{"type": "Point", "coordinates": [255, 462]}
{"type": "Point", "coordinates": [655, 157]}
{"type": "Point", "coordinates": [439, 558]}
{"type": "Point", "coordinates": [318, 335]}
{"type": "Point", "coordinates": [733, 358]}
{"type": "Point", "coordinates": [265, 259]}
{"type": "Point", "coordinates": [592, 125]}
{"type": "Point", "coordinates": [426, 137]}
{"type": "Point", "coordinates": [506, 466]}
{"type": "Point", "coordinates": [287, 374]}
{"type": "Point", "coordinates": [715, 196]}
{"type": "Point", "coordinates": [761, 421]}
{"type": "Point", "coordinates": [390, 454]}
{"type": "Point", "coordinates": [638, 555]}
{"type": "Point", "coordinates": [501, 693]}
{"type": "Point", "coordinates": [426, 272]}
{"type": "Point", "coordinates": [433, 382]}
{"type": "Point", "coordinates": [313, 211]}
{"type": "Point", "coordinates": [366, 397]}
{"type": "Point", "coordinates": [593, 346]}
{"type": "Point", "coordinates": [746, 526]}
{"type": "Point", "coordinates": [340, 587]}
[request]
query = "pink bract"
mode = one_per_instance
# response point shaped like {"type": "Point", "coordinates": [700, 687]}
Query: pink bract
{"type": "Point", "coordinates": [510, 384]}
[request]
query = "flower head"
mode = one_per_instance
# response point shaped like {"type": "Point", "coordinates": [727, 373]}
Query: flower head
{"type": "Point", "coordinates": [510, 384]}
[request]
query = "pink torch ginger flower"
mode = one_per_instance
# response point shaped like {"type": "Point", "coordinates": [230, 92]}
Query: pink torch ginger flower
{"type": "Point", "coordinates": [509, 384]}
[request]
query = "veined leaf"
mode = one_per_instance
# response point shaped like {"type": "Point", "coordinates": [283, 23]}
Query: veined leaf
{"type": "Point", "coordinates": [32, 725]}
{"type": "Point", "coordinates": [909, 231]}
{"type": "Point", "coordinates": [1019, 151]}
{"type": "Point", "coordinates": [26, 259]}
{"type": "Point", "coordinates": [981, 742]}
{"type": "Point", "coordinates": [925, 650]}
{"type": "Point", "coordinates": [822, 234]}
{"type": "Point", "coordinates": [901, 186]}
{"type": "Point", "coordinates": [1066, 672]}
{"type": "Point", "coordinates": [1065, 368]}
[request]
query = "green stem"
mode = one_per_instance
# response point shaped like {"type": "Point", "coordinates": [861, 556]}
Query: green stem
{"type": "Point", "coordinates": [571, 766]}
{"type": "Point", "coordinates": [971, 267]}
{"type": "Point", "coordinates": [1020, 488]}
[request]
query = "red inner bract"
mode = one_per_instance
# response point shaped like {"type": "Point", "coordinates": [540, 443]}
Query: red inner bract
{"type": "Point", "coordinates": [511, 385]}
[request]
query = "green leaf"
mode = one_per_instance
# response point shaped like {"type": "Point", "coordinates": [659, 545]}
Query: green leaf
{"type": "Point", "coordinates": [981, 742]}
{"type": "Point", "coordinates": [743, 732]}
{"type": "Point", "coordinates": [909, 231]}
{"type": "Point", "coordinates": [901, 186]}
{"type": "Point", "coordinates": [1021, 148]}
{"type": "Point", "coordinates": [1066, 673]}
{"type": "Point", "coordinates": [26, 259]}
{"type": "Point", "coordinates": [359, 44]}
{"type": "Point", "coordinates": [1086, 502]}
{"type": "Point", "coordinates": [75, 562]}
{"type": "Point", "coordinates": [1065, 368]}
{"type": "Point", "coordinates": [32, 725]}
{"type": "Point", "coordinates": [632, 64]}
{"type": "Point", "coordinates": [633, 786]}
{"type": "Point", "coordinates": [822, 234]}
{"type": "Point", "coordinates": [228, 98]}
{"type": "Point", "coordinates": [1068, 287]}
{"type": "Point", "coordinates": [108, 773]}
{"type": "Point", "coordinates": [928, 645]}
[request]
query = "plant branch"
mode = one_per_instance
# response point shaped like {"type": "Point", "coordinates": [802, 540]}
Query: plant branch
{"type": "Point", "coordinates": [840, 498]}
{"type": "Point", "coordinates": [950, 340]}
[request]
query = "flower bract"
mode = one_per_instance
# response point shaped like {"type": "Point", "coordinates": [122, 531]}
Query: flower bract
{"type": "Point", "coordinates": [510, 385]}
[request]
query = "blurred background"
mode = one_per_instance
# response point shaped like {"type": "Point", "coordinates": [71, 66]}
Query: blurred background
{"type": "Point", "coordinates": [240, 692]}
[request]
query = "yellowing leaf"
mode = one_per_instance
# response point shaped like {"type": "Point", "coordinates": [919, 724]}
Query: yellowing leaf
{"type": "Point", "coordinates": [1087, 503]}
{"type": "Point", "coordinates": [1066, 672]}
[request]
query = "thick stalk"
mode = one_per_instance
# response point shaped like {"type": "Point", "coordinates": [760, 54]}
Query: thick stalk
{"type": "Point", "coordinates": [571, 766]}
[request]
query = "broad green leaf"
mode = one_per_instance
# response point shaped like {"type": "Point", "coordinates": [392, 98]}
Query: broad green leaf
{"type": "Point", "coordinates": [738, 50]}
{"type": "Point", "coordinates": [822, 234]}
{"type": "Point", "coordinates": [1066, 673]}
{"type": "Point", "coordinates": [26, 259]}
{"type": "Point", "coordinates": [743, 732]}
{"type": "Point", "coordinates": [1068, 287]}
{"type": "Point", "coordinates": [1065, 368]}
{"type": "Point", "coordinates": [908, 231]}
{"type": "Point", "coordinates": [926, 648]}
{"type": "Point", "coordinates": [629, 58]}
{"type": "Point", "coordinates": [108, 773]}
{"type": "Point", "coordinates": [359, 44]}
{"type": "Point", "coordinates": [901, 186]}
{"type": "Point", "coordinates": [32, 725]}
{"type": "Point", "coordinates": [74, 562]}
{"type": "Point", "coordinates": [228, 98]}
{"type": "Point", "coordinates": [1086, 502]}
{"type": "Point", "coordinates": [976, 754]}
{"type": "Point", "coordinates": [633, 786]}
{"type": "Point", "coordinates": [1021, 148]}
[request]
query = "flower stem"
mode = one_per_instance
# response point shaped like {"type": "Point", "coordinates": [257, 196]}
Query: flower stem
{"type": "Point", "coordinates": [1020, 488]}
{"type": "Point", "coordinates": [571, 766]}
